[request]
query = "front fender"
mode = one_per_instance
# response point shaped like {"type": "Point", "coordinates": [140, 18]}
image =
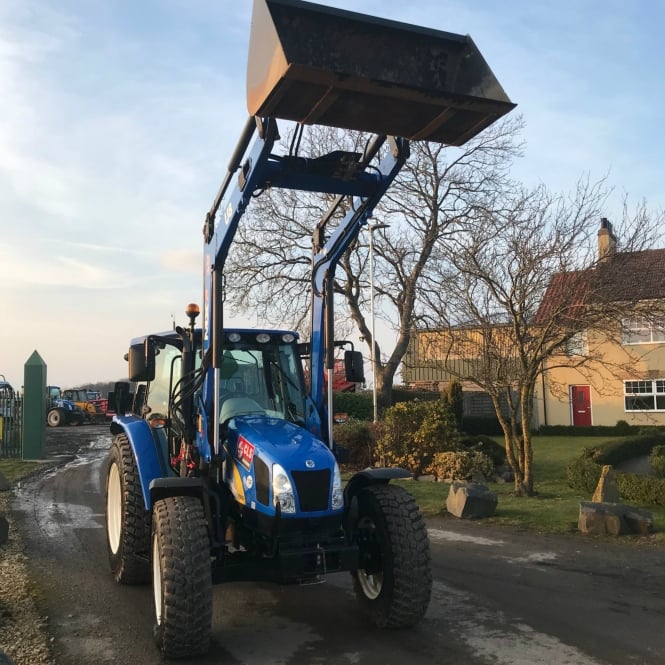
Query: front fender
{"type": "Point", "coordinates": [369, 476]}
{"type": "Point", "coordinates": [150, 462]}
{"type": "Point", "coordinates": [372, 476]}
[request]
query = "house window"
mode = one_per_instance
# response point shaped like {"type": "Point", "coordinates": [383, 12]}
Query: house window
{"type": "Point", "coordinates": [644, 395]}
{"type": "Point", "coordinates": [642, 331]}
{"type": "Point", "coordinates": [576, 345]}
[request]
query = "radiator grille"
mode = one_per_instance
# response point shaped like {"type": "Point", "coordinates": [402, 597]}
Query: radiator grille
{"type": "Point", "coordinates": [313, 488]}
{"type": "Point", "coordinates": [262, 476]}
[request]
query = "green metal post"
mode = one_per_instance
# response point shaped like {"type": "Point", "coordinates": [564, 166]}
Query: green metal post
{"type": "Point", "coordinates": [34, 407]}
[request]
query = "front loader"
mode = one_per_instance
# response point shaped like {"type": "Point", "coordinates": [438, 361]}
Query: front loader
{"type": "Point", "coordinates": [223, 465]}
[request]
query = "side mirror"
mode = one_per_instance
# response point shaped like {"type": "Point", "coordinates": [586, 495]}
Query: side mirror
{"type": "Point", "coordinates": [141, 358]}
{"type": "Point", "coordinates": [354, 369]}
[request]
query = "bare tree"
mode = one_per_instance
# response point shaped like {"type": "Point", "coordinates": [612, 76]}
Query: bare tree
{"type": "Point", "coordinates": [269, 271]}
{"type": "Point", "coordinates": [493, 327]}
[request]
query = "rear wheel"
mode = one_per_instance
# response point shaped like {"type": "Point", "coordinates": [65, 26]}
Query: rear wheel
{"type": "Point", "coordinates": [181, 577]}
{"type": "Point", "coordinates": [127, 520]}
{"type": "Point", "coordinates": [394, 579]}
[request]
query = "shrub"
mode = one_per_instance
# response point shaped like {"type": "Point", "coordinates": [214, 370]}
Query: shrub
{"type": "Point", "coordinates": [456, 400]}
{"type": "Point", "coordinates": [622, 428]}
{"type": "Point", "coordinates": [626, 448]}
{"type": "Point", "coordinates": [583, 474]}
{"type": "Point", "coordinates": [412, 432]}
{"type": "Point", "coordinates": [657, 461]}
{"type": "Point", "coordinates": [495, 451]}
{"type": "Point", "coordinates": [481, 425]}
{"type": "Point", "coordinates": [641, 489]}
{"type": "Point", "coordinates": [461, 465]}
{"type": "Point", "coordinates": [357, 405]}
{"type": "Point", "coordinates": [357, 437]}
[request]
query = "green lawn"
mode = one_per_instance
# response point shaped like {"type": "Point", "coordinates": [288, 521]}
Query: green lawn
{"type": "Point", "coordinates": [556, 507]}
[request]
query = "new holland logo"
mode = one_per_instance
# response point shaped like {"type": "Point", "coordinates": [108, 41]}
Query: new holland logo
{"type": "Point", "coordinates": [309, 463]}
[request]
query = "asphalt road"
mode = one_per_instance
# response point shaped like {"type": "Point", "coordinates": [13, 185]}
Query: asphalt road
{"type": "Point", "coordinates": [500, 597]}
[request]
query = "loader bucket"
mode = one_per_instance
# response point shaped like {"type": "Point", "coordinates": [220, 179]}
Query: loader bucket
{"type": "Point", "coordinates": [320, 65]}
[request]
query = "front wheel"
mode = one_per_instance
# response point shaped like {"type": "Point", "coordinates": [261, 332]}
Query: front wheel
{"type": "Point", "coordinates": [56, 418]}
{"type": "Point", "coordinates": [181, 577]}
{"type": "Point", "coordinates": [393, 582]}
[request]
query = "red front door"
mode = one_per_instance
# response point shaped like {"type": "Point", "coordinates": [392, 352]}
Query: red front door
{"type": "Point", "coordinates": [580, 399]}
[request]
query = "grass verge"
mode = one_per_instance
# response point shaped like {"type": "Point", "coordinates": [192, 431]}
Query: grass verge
{"type": "Point", "coordinates": [15, 469]}
{"type": "Point", "coordinates": [555, 509]}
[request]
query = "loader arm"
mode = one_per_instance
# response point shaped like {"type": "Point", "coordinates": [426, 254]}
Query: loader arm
{"type": "Point", "coordinates": [317, 65]}
{"type": "Point", "coordinates": [261, 168]}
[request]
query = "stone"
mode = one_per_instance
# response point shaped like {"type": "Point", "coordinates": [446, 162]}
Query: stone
{"type": "Point", "coordinates": [639, 521]}
{"type": "Point", "coordinates": [5, 485]}
{"type": "Point", "coordinates": [471, 501]}
{"type": "Point", "coordinates": [613, 519]}
{"type": "Point", "coordinates": [4, 530]}
{"type": "Point", "coordinates": [606, 490]}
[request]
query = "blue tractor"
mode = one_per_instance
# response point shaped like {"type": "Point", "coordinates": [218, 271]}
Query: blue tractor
{"type": "Point", "coordinates": [223, 465]}
{"type": "Point", "coordinates": [60, 410]}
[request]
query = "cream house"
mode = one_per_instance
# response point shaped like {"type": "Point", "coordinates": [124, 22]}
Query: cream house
{"type": "Point", "coordinates": [615, 373]}
{"type": "Point", "coordinates": [611, 370]}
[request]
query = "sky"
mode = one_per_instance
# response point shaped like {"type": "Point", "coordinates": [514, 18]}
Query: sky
{"type": "Point", "coordinates": [118, 118]}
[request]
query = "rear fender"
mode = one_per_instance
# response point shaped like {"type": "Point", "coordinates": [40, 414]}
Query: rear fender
{"type": "Point", "coordinates": [364, 478]}
{"type": "Point", "coordinates": [145, 446]}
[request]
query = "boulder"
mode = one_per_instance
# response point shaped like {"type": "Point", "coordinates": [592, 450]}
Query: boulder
{"type": "Point", "coordinates": [471, 501]}
{"type": "Point", "coordinates": [606, 490]}
{"type": "Point", "coordinates": [613, 519]}
{"type": "Point", "coordinates": [5, 485]}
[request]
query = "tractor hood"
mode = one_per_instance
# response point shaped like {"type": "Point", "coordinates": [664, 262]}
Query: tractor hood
{"type": "Point", "coordinates": [279, 441]}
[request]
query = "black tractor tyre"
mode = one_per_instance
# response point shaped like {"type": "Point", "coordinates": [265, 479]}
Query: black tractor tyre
{"type": "Point", "coordinates": [56, 418]}
{"type": "Point", "coordinates": [181, 577]}
{"type": "Point", "coordinates": [393, 582]}
{"type": "Point", "coordinates": [127, 520]}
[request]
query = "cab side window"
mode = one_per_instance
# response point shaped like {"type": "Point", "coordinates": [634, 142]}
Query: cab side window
{"type": "Point", "coordinates": [167, 372]}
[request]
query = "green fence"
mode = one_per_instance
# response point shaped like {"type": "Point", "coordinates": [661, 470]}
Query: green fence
{"type": "Point", "coordinates": [11, 417]}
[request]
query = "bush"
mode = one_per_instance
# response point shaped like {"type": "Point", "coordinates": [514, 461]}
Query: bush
{"type": "Point", "coordinates": [412, 432]}
{"type": "Point", "coordinates": [626, 448]}
{"type": "Point", "coordinates": [358, 438]}
{"type": "Point", "coordinates": [455, 396]}
{"type": "Point", "coordinates": [484, 444]}
{"type": "Point", "coordinates": [622, 428]}
{"type": "Point", "coordinates": [357, 405]}
{"type": "Point", "coordinates": [657, 461]}
{"type": "Point", "coordinates": [641, 489]}
{"type": "Point", "coordinates": [583, 474]}
{"type": "Point", "coordinates": [481, 425]}
{"type": "Point", "coordinates": [461, 465]}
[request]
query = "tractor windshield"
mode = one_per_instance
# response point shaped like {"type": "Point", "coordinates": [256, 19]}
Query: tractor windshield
{"type": "Point", "coordinates": [262, 378]}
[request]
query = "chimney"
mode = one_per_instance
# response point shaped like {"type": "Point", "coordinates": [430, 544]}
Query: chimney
{"type": "Point", "coordinates": [607, 242]}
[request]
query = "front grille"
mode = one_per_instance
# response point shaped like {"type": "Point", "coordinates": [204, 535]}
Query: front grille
{"type": "Point", "coordinates": [313, 488]}
{"type": "Point", "coordinates": [262, 475]}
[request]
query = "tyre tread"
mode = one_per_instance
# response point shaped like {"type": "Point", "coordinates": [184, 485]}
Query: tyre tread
{"type": "Point", "coordinates": [131, 566]}
{"type": "Point", "coordinates": [179, 524]}
{"type": "Point", "coordinates": [406, 600]}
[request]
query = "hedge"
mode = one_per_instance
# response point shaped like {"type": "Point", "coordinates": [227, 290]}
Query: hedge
{"type": "Point", "coordinates": [584, 472]}
{"type": "Point", "coordinates": [622, 428]}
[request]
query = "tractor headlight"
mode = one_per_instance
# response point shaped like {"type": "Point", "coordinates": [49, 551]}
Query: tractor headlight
{"type": "Point", "coordinates": [282, 489]}
{"type": "Point", "coordinates": [337, 493]}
